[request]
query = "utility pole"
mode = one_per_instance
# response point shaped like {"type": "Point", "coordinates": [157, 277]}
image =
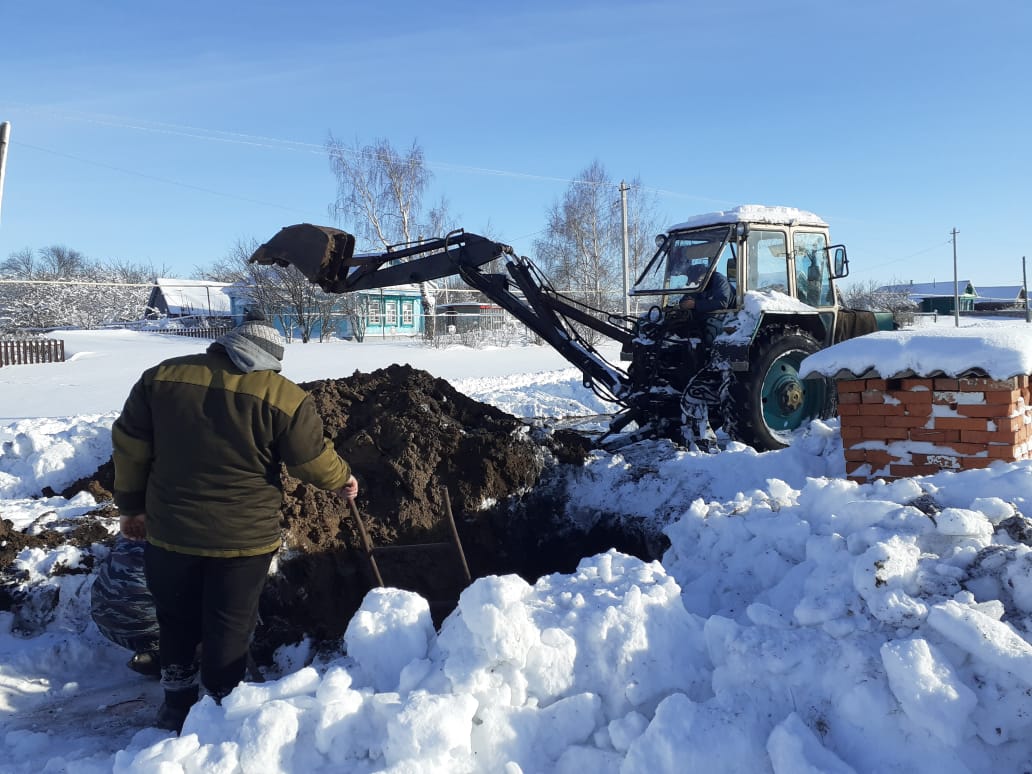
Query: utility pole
{"type": "Point", "coordinates": [626, 251]}
{"type": "Point", "coordinates": [5, 135]}
{"type": "Point", "coordinates": [956, 289]}
{"type": "Point", "coordinates": [1024, 286]}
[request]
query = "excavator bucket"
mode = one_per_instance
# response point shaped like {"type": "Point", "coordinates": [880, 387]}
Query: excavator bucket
{"type": "Point", "coordinates": [326, 256]}
{"type": "Point", "coordinates": [322, 254]}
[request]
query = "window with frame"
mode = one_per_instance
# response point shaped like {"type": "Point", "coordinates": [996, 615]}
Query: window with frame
{"type": "Point", "coordinates": [768, 260]}
{"type": "Point", "coordinates": [813, 280]}
{"type": "Point", "coordinates": [374, 312]}
{"type": "Point", "coordinates": [407, 313]}
{"type": "Point", "coordinates": [390, 313]}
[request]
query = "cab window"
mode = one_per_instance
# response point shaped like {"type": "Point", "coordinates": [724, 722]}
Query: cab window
{"type": "Point", "coordinates": [768, 260]}
{"type": "Point", "coordinates": [813, 280]}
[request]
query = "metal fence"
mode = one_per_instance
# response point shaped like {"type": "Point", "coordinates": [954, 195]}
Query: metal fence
{"type": "Point", "coordinates": [26, 351]}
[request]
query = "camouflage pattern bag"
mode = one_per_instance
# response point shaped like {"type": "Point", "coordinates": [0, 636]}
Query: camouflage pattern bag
{"type": "Point", "coordinates": [120, 603]}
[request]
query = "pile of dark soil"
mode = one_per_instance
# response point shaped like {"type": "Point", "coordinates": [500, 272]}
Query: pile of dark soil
{"type": "Point", "coordinates": [416, 445]}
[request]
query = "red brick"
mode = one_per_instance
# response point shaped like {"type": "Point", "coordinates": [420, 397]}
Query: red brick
{"type": "Point", "coordinates": [946, 384]}
{"type": "Point", "coordinates": [885, 433]}
{"type": "Point", "coordinates": [924, 396]}
{"type": "Point", "coordinates": [876, 384]}
{"type": "Point", "coordinates": [1004, 451]}
{"type": "Point", "coordinates": [859, 479]}
{"type": "Point", "coordinates": [960, 423]}
{"type": "Point", "coordinates": [1007, 436]}
{"type": "Point", "coordinates": [879, 458]}
{"type": "Point", "coordinates": [981, 384]}
{"type": "Point", "coordinates": [969, 463]}
{"type": "Point", "coordinates": [853, 467]}
{"type": "Point", "coordinates": [855, 455]}
{"type": "Point", "coordinates": [848, 409]}
{"type": "Point", "coordinates": [872, 396]}
{"type": "Point", "coordinates": [850, 385]}
{"type": "Point", "coordinates": [965, 448]}
{"type": "Point", "coordinates": [1002, 396]}
{"type": "Point", "coordinates": [992, 410]}
{"type": "Point", "coordinates": [917, 410]}
{"type": "Point", "coordinates": [980, 437]}
{"type": "Point", "coordinates": [851, 433]}
{"type": "Point", "coordinates": [882, 409]}
{"type": "Point", "coordinates": [928, 436]}
{"type": "Point", "coordinates": [908, 471]}
{"type": "Point", "coordinates": [906, 421]}
{"type": "Point", "coordinates": [849, 397]}
{"type": "Point", "coordinates": [871, 420]}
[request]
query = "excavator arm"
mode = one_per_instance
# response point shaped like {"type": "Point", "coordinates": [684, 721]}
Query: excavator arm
{"type": "Point", "coordinates": [326, 256]}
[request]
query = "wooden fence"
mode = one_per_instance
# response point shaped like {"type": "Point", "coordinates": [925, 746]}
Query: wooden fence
{"type": "Point", "coordinates": [25, 351]}
{"type": "Point", "coordinates": [196, 333]}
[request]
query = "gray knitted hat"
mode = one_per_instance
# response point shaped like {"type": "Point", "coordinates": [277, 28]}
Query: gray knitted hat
{"type": "Point", "coordinates": [264, 335]}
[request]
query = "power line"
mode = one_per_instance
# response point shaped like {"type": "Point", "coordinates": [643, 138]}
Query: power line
{"type": "Point", "coordinates": [261, 141]}
{"type": "Point", "coordinates": [160, 179]}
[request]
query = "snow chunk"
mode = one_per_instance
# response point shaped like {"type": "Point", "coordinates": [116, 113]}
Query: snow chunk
{"type": "Point", "coordinates": [795, 749]}
{"type": "Point", "coordinates": [928, 688]}
{"type": "Point", "coordinates": [992, 642]}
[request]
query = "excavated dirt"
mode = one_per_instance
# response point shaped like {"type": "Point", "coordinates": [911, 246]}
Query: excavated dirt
{"type": "Point", "coordinates": [410, 439]}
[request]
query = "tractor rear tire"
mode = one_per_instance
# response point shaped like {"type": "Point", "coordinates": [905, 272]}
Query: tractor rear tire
{"type": "Point", "coordinates": [770, 401]}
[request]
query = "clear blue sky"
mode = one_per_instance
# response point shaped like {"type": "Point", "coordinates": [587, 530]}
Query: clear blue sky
{"type": "Point", "coordinates": [165, 132]}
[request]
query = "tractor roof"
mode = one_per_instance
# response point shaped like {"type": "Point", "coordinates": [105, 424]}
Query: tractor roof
{"type": "Point", "coordinates": [753, 213]}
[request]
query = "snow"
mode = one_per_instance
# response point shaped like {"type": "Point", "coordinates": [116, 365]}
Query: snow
{"type": "Point", "coordinates": [797, 621]}
{"type": "Point", "coordinates": [752, 213]}
{"type": "Point", "coordinates": [1000, 351]}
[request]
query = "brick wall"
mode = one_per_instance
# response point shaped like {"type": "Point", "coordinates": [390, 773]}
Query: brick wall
{"type": "Point", "coordinates": [893, 428]}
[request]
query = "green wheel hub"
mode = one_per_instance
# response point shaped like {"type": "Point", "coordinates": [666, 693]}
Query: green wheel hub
{"type": "Point", "coordinates": [788, 400]}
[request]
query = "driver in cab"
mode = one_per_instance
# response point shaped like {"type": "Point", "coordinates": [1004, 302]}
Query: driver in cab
{"type": "Point", "coordinates": [716, 294]}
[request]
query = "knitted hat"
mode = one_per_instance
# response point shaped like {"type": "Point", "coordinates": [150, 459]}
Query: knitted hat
{"type": "Point", "coordinates": [263, 335]}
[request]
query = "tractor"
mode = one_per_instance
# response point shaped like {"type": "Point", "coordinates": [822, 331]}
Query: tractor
{"type": "Point", "coordinates": [689, 371]}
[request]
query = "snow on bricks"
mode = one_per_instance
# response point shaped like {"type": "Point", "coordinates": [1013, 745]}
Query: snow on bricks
{"type": "Point", "coordinates": [914, 402]}
{"type": "Point", "coordinates": [895, 428]}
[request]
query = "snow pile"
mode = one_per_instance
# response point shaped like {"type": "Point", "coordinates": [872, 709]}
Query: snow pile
{"type": "Point", "coordinates": [824, 626]}
{"type": "Point", "coordinates": [999, 351]}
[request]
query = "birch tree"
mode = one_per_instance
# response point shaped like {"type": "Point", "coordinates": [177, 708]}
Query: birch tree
{"type": "Point", "coordinates": [380, 199]}
{"type": "Point", "coordinates": [582, 248]}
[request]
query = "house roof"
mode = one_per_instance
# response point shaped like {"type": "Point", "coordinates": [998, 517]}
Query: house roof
{"type": "Point", "coordinates": [185, 296]}
{"type": "Point", "coordinates": [1001, 292]}
{"type": "Point", "coordinates": [929, 289]}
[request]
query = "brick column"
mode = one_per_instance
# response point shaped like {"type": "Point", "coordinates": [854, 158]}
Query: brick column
{"type": "Point", "coordinates": [895, 428]}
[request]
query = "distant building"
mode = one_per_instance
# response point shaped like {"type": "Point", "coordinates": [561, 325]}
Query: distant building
{"type": "Point", "coordinates": [997, 297]}
{"type": "Point", "coordinates": [936, 296]}
{"type": "Point", "coordinates": [171, 297]}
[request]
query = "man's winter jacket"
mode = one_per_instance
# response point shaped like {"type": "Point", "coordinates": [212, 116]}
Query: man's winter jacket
{"type": "Point", "coordinates": [198, 448]}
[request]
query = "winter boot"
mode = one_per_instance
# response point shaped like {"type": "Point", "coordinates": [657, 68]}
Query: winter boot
{"type": "Point", "coordinates": [146, 664]}
{"type": "Point", "coordinates": [173, 711]}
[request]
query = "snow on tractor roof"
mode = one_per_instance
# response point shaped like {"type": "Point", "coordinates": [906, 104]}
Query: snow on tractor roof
{"type": "Point", "coordinates": [753, 213]}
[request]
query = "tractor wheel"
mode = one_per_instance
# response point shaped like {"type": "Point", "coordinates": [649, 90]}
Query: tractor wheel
{"type": "Point", "coordinates": [770, 401]}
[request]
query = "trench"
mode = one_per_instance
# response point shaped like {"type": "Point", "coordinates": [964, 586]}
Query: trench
{"type": "Point", "coordinates": [409, 437]}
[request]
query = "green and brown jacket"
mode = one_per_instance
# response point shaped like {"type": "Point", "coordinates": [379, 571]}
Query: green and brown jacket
{"type": "Point", "coordinates": [198, 448]}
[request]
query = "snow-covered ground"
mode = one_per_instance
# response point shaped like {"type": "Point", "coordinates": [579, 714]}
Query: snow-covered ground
{"type": "Point", "coordinates": [797, 623]}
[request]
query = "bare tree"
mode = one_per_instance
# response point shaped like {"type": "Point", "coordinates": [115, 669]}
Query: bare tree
{"type": "Point", "coordinates": [380, 195]}
{"type": "Point", "coordinates": [60, 287]}
{"type": "Point", "coordinates": [582, 249]}
{"type": "Point", "coordinates": [874, 297]}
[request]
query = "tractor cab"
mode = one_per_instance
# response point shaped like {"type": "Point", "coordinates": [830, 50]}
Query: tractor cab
{"type": "Point", "coordinates": [756, 248]}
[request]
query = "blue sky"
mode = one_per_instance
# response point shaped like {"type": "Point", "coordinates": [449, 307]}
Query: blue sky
{"type": "Point", "coordinates": [164, 133]}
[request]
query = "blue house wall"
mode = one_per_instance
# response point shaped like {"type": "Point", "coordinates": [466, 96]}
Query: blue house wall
{"type": "Point", "coordinates": [390, 312]}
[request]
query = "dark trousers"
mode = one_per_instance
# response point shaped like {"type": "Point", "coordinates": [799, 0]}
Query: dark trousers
{"type": "Point", "coordinates": [206, 601]}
